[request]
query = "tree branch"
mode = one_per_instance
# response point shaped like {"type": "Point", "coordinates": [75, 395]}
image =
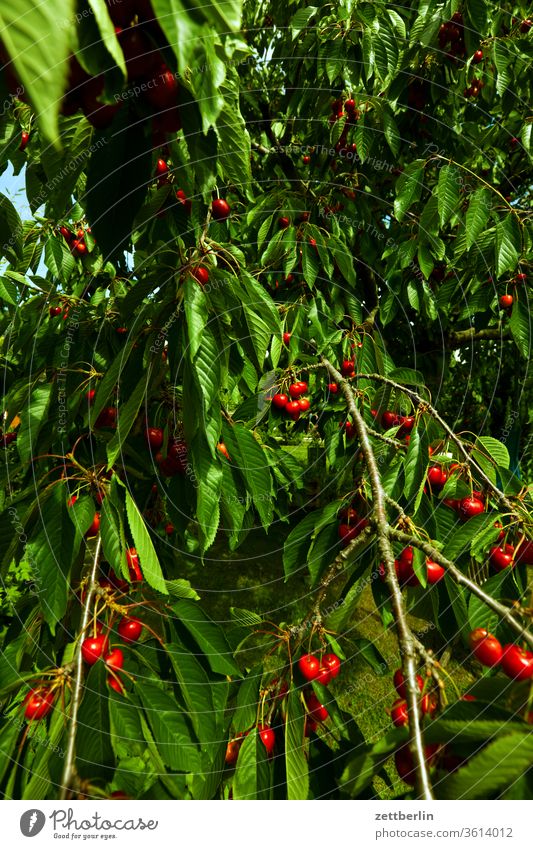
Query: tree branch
{"type": "Point", "coordinates": [68, 769]}
{"type": "Point", "coordinates": [466, 337]}
{"type": "Point", "coordinates": [464, 580]}
{"type": "Point", "coordinates": [502, 498]}
{"type": "Point", "coordinates": [405, 637]}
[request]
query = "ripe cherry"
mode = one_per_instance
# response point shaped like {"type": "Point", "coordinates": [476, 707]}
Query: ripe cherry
{"type": "Point", "coordinates": [283, 222]}
{"type": "Point", "coordinates": [232, 752]}
{"type": "Point", "coordinates": [220, 209]}
{"type": "Point", "coordinates": [477, 57]}
{"type": "Point", "coordinates": [38, 703]}
{"type": "Point", "coordinates": [317, 710]}
{"type": "Point", "coordinates": [304, 404]}
{"type": "Point", "coordinates": [267, 737]}
{"type": "Point", "coordinates": [94, 527]}
{"type": "Point", "coordinates": [107, 418]}
{"type": "Point", "coordinates": [286, 338]}
{"type": "Point", "coordinates": [333, 388]}
{"type": "Point", "coordinates": [221, 446]}
{"type": "Point", "coordinates": [24, 139]}
{"type": "Point", "coordinates": [90, 396]}
{"type": "Point", "coordinates": [399, 714]}
{"type": "Point", "coordinates": [349, 105]}
{"type": "Point", "coordinates": [332, 662]}
{"type": "Point", "coordinates": [520, 278]}
{"type": "Point", "coordinates": [517, 663]}
{"type": "Point", "coordinates": [155, 437]}
{"type": "Point", "coordinates": [306, 159]}
{"type": "Point", "coordinates": [309, 666]}
{"type": "Point", "coordinates": [7, 438]}
{"type": "Point", "coordinates": [324, 676]}
{"type": "Point", "coordinates": [79, 246]}
{"type": "Point", "coordinates": [169, 529]}
{"type": "Point", "coordinates": [280, 401]}
{"type": "Point", "coordinates": [506, 301]}
{"type": "Point", "coordinates": [390, 419]}
{"type": "Point", "coordinates": [53, 311]}
{"type": "Point", "coordinates": [347, 368]}
{"type": "Point", "coordinates": [293, 410]}
{"type": "Point", "coordinates": [130, 629]}
{"type": "Point", "coordinates": [116, 685]}
{"type": "Point", "coordinates": [485, 647]}
{"type": "Point", "coordinates": [524, 553]}
{"type": "Point", "coordinates": [435, 572]}
{"type": "Point", "coordinates": [115, 659]}
{"type": "Point", "coordinates": [471, 506]}
{"type": "Point", "coordinates": [65, 232]}
{"type": "Point", "coordinates": [163, 92]}
{"type": "Point", "coordinates": [501, 557]}
{"type": "Point", "coordinates": [436, 477]}
{"type": "Point", "coordinates": [132, 559]}
{"type": "Point", "coordinates": [526, 25]}
{"type": "Point", "coordinates": [201, 274]}
{"type": "Point", "coordinates": [183, 199]}
{"type": "Point", "coordinates": [399, 683]}
{"type": "Point", "coordinates": [93, 648]}
{"type": "Point", "coordinates": [298, 388]}
{"type": "Point", "coordinates": [161, 168]}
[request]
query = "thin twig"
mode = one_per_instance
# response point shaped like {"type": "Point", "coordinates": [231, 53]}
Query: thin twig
{"type": "Point", "coordinates": [405, 637]}
{"type": "Point", "coordinates": [68, 768]}
{"type": "Point", "coordinates": [464, 580]}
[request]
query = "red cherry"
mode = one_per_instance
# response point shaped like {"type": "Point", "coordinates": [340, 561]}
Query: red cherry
{"type": "Point", "coordinates": [349, 105]}
{"type": "Point", "coordinates": [485, 647]}
{"type": "Point", "coordinates": [520, 278]}
{"type": "Point", "coordinates": [333, 388]}
{"type": "Point", "coordinates": [163, 91]}
{"type": "Point", "coordinates": [526, 25]}
{"type": "Point", "coordinates": [298, 388]}
{"type": "Point", "coordinates": [293, 410]}
{"type": "Point", "coordinates": [524, 553]}
{"type": "Point", "coordinates": [169, 529]}
{"type": "Point", "coordinates": [232, 751]}
{"type": "Point", "coordinates": [267, 737]}
{"type": "Point", "coordinates": [130, 630]}
{"type": "Point", "coordinates": [347, 368]}
{"type": "Point", "coordinates": [517, 663]}
{"type": "Point", "coordinates": [304, 404]}
{"type": "Point", "coordinates": [283, 222]}
{"type": "Point", "coordinates": [435, 572]}
{"type": "Point", "coordinates": [436, 477]}
{"type": "Point", "coordinates": [201, 274]}
{"type": "Point", "coordinates": [408, 423]}
{"type": "Point", "coordinates": [399, 683]}
{"type": "Point", "coordinates": [309, 666]}
{"type": "Point", "coordinates": [24, 139]}
{"type": "Point", "coordinates": [317, 710]}
{"type": "Point", "coordinates": [306, 159]}
{"type": "Point", "coordinates": [477, 57]}
{"type": "Point", "coordinates": [286, 338]}
{"type": "Point", "coordinates": [90, 395]}
{"type": "Point", "coordinates": [390, 419]}
{"type": "Point", "coordinates": [72, 501]}
{"type": "Point", "coordinates": [65, 232]}
{"type": "Point", "coordinates": [107, 418]}
{"type": "Point", "coordinates": [115, 659]}
{"type": "Point", "coordinates": [154, 437]}
{"type": "Point", "coordinates": [506, 301]}
{"type": "Point", "coordinates": [94, 527]}
{"type": "Point", "coordinates": [220, 209]}
{"type": "Point", "coordinates": [116, 685]}
{"type": "Point", "coordinates": [324, 676]}
{"type": "Point", "coordinates": [161, 169]}
{"type": "Point", "coordinates": [141, 59]}
{"type": "Point", "coordinates": [79, 246]}
{"type": "Point", "coordinates": [53, 311]}
{"type": "Point", "coordinates": [132, 559]}
{"type": "Point", "coordinates": [38, 703]}
{"type": "Point", "coordinates": [185, 202]}
{"type": "Point", "coordinates": [280, 401]}
{"type": "Point", "coordinates": [332, 662]}
{"type": "Point", "coordinates": [93, 648]}
{"type": "Point", "coordinates": [471, 506]}
{"type": "Point", "coordinates": [501, 557]}
{"type": "Point", "coordinates": [399, 713]}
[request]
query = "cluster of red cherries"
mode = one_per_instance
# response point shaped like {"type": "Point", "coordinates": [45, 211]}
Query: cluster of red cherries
{"type": "Point", "coordinates": [77, 245]}
{"type": "Point", "coordinates": [174, 462]}
{"type": "Point", "coordinates": [403, 566]}
{"type": "Point", "coordinates": [7, 438]}
{"type": "Point", "coordinates": [398, 712]}
{"type": "Point", "coordinates": [293, 404]}
{"type": "Point", "coordinates": [351, 524]}
{"type": "Point", "coordinates": [515, 662]}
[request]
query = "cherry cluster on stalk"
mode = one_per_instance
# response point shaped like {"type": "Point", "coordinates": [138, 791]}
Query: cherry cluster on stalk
{"type": "Point", "coordinates": [452, 37]}
{"type": "Point", "coordinates": [174, 461]}
{"type": "Point", "coordinates": [399, 712]}
{"type": "Point", "coordinates": [351, 524]}
{"type": "Point", "coordinates": [77, 245]}
{"type": "Point", "coordinates": [514, 661]}
{"type": "Point", "coordinates": [293, 404]}
{"type": "Point", "coordinates": [403, 566]}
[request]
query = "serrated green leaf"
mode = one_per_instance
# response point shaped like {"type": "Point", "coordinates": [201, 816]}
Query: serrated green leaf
{"type": "Point", "coordinates": [145, 548]}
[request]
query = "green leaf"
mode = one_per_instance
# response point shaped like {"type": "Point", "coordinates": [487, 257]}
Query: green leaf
{"type": "Point", "coordinates": [94, 752]}
{"type": "Point", "coordinates": [11, 230]}
{"type": "Point", "coordinates": [208, 477]}
{"type": "Point", "coordinates": [302, 17]}
{"type": "Point", "coordinates": [250, 459]}
{"type": "Point", "coordinates": [128, 415]}
{"type": "Point", "coordinates": [196, 313]}
{"type": "Point", "coordinates": [300, 538]}
{"type": "Point", "coordinates": [58, 258]}
{"type": "Point", "coordinates": [233, 137]}
{"type": "Point", "coordinates": [33, 419]}
{"type": "Point", "coordinates": [111, 536]}
{"type": "Point", "coordinates": [252, 774]}
{"type": "Point", "coordinates": [477, 215]}
{"type": "Point", "coordinates": [196, 691]}
{"type": "Point", "coordinates": [209, 636]}
{"type": "Point", "coordinates": [145, 548]}
{"type": "Point", "coordinates": [172, 734]}
{"type": "Point", "coordinates": [107, 31]}
{"type": "Point", "coordinates": [390, 128]}
{"type": "Point", "coordinates": [499, 765]}
{"type": "Point", "coordinates": [508, 244]}
{"type": "Point", "coordinates": [409, 187]}
{"type": "Point", "coordinates": [495, 449]}
{"type": "Point", "coordinates": [416, 463]}
{"type": "Point", "coordinates": [296, 763]}
{"type": "Point", "coordinates": [28, 29]}
{"type": "Point", "coordinates": [520, 326]}
{"type": "Point", "coordinates": [52, 549]}
{"type": "Point", "coordinates": [448, 193]}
